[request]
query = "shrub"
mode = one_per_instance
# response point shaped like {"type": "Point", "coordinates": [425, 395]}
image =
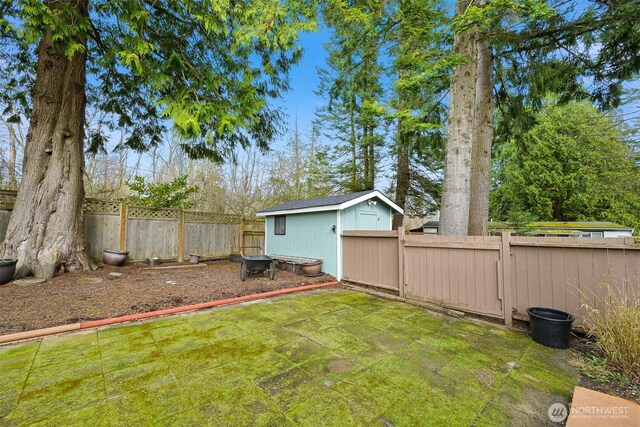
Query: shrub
{"type": "Point", "coordinates": [613, 320]}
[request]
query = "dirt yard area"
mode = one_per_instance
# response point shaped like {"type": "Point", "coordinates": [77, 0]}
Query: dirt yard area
{"type": "Point", "coordinates": [91, 295]}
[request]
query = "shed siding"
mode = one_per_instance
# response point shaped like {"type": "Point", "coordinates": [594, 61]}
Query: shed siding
{"type": "Point", "coordinates": [350, 215]}
{"type": "Point", "coordinates": [307, 235]}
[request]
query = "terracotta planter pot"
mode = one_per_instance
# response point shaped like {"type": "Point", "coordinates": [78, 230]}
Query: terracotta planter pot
{"type": "Point", "coordinates": [312, 268]}
{"type": "Point", "coordinates": [7, 270]}
{"type": "Point", "coordinates": [114, 257]}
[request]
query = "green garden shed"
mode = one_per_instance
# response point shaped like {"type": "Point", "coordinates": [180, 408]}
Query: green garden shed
{"type": "Point", "coordinates": [312, 228]}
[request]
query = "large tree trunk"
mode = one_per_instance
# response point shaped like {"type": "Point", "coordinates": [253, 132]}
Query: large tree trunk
{"type": "Point", "coordinates": [482, 139]}
{"type": "Point", "coordinates": [13, 142]}
{"type": "Point", "coordinates": [454, 211]}
{"type": "Point", "coordinates": [402, 173]}
{"type": "Point", "coordinates": [45, 230]}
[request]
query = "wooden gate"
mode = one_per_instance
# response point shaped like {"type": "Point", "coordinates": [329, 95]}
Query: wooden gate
{"type": "Point", "coordinates": [463, 273]}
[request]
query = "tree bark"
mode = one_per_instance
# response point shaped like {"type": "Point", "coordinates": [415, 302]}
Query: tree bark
{"type": "Point", "coordinates": [13, 142]}
{"type": "Point", "coordinates": [402, 174]}
{"type": "Point", "coordinates": [482, 139]}
{"type": "Point", "coordinates": [45, 230]}
{"type": "Point", "coordinates": [454, 212]}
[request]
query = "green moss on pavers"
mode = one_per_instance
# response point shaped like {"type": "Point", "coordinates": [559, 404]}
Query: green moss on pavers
{"type": "Point", "coordinates": [387, 341]}
{"type": "Point", "coordinates": [378, 322]}
{"type": "Point", "coordinates": [358, 329]}
{"type": "Point", "coordinates": [152, 405]}
{"type": "Point", "coordinates": [327, 408]}
{"type": "Point", "coordinates": [251, 326]}
{"type": "Point", "coordinates": [128, 379]}
{"type": "Point", "coordinates": [291, 387]}
{"type": "Point", "coordinates": [423, 358]}
{"type": "Point", "coordinates": [424, 322]}
{"type": "Point", "coordinates": [50, 375]}
{"type": "Point", "coordinates": [303, 327]}
{"type": "Point", "coordinates": [118, 331]}
{"type": "Point", "coordinates": [135, 338]}
{"type": "Point", "coordinates": [272, 338]}
{"type": "Point", "coordinates": [432, 406]}
{"type": "Point", "coordinates": [182, 343]}
{"type": "Point", "coordinates": [366, 306]}
{"type": "Point", "coordinates": [346, 355]}
{"type": "Point", "coordinates": [558, 383]}
{"type": "Point", "coordinates": [172, 332]}
{"type": "Point", "coordinates": [332, 368]}
{"type": "Point", "coordinates": [361, 352]}
{"type": "Point", "coordinates": [520, 404]}
{"type": "Point", "coordinates": [508, 352]}
{"type": "Point", "coordinates": [368, 393]}
{"type": "Point", "coordinates": [258, 368]}
{"type": "Point", "coordinates": [40, 403]}
{"type": "Point", "coordinates": [396, 419]}
{"type": "Point", "coordinates": [280, 421]}
{"type": "Point", "coordinates": [63, 354]}
{"type": "Point", "coordinates": [407, 374]}
{"type": "Point", "coordinates": [399, 311]}
{"type": "Point", "coordinates": [331, 338]}
{"type": "Point", "coordinates": [193, 360]}
{"type": "Point", "coordinates": [219, 331]}
{"type": "Point", "coordinates": [15, 363]}
{"type": "Point", "coordinates": [18, 353]}
{"type": "Point", "coordinates": [473, 374]}
{"type": "Point", "coordinates": [79, 341]}
{"type": "Point", "coordinates": [546, 369]}
{"type": "Point", "coordinates": [301, 350]}
{"type": "Point", "coordinates": [470, 327]}
{"type": "Point", "coordinates": [492, 416]}
{"type": "Point", "coordinates": [114, 359]}
{"type": "Point", "coordinates": [163, 321]}
{"type": "Point", "coordinates": [7, 405]}
{"type": "Point", "coordinates": [443, 342]}
{"type": "Point", "coordinates": [220, 401]}
{"type": "Point", "coordinates": [337, 318]}
{"type": "Point", "coordinates": [101, 414]}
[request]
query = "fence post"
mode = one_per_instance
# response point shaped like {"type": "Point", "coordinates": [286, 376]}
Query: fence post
{"type": "Point", "coordinates": [242, 227]}
{"type": "Point", "coordinates": [505, 257]}
{"type": "Point", "coordinates": [180, 235]}
{"type": "Point", "coordinates": [401, 261]}
{"type": "Point", "coordinates": [123, 225]}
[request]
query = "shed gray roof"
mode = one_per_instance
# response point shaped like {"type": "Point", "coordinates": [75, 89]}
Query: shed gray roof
{"type": "Point", "coordinates": [314, 203]}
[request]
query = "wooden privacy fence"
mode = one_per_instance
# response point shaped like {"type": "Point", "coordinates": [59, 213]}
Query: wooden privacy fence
{"type": "Point", "coordinates": [146, 232]}
{"type": "Point", "coordinates": [493, 276]}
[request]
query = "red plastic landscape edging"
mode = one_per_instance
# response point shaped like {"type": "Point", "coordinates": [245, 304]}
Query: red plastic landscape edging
{"type": "Point", "coordinates": [37, 333]}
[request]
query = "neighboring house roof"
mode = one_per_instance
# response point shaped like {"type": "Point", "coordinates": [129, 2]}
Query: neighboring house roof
{"type": "Point", "coordinates": [331, 203]}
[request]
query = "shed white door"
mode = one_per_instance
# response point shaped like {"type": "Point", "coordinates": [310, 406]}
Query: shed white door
{"type": "Point", "coordinates": [366, 220]}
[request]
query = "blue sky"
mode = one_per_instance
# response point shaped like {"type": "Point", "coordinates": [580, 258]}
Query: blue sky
{"type": "Point", "coordinates": [301, 102]}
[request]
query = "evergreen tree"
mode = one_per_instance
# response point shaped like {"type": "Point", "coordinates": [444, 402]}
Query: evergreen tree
{"type": "Point", "coordinates": [210, 67]}
{"type": "Point", "coordinates": [572, 165]}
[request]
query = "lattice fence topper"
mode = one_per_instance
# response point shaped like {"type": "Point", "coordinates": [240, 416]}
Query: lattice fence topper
{"type": "Point", "coordinates": [254, 224]}
{"type": "Point", "coordinates": [7, 198]}
{"type": "Point", "coordinates": [143, 212]}
{"type": "Point", "coordinates": [102, 206]}
{"type": "Point", "coordinates": [193, 216]}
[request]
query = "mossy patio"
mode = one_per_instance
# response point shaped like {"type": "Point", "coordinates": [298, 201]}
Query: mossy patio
{"type": "Point", "coordinates": [330, 357]}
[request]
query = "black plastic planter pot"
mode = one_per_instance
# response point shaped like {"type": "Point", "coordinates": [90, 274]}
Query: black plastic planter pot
{"type": "Point", "coordinates": [550, 327]}
{"type": "Point", "coordinates": [7, 270]}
